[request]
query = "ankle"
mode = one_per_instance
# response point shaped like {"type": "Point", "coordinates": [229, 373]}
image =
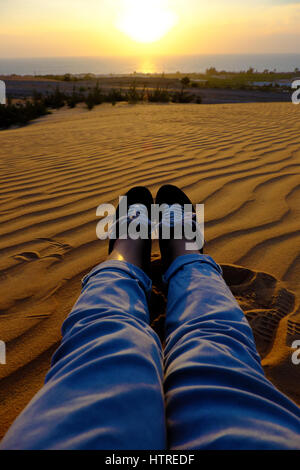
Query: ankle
{"type": "Point", "coordinates": [172, 249]}
{"type": "Point", "coordinates": [135, 252]}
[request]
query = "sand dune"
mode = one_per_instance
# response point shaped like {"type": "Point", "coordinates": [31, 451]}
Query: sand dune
{"type": "Point", "coordinates": [241, 160]}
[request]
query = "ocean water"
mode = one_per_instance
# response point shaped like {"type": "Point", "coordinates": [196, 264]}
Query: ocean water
{"type": "Point", "coordinates": [184, 64]}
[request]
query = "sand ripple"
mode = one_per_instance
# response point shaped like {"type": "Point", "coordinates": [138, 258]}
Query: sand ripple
{"type": "Point", "coordinates": [242, 161]}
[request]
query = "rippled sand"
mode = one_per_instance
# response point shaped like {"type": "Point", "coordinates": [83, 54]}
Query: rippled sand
{"type": "Point", "coordinates": [241, 160]}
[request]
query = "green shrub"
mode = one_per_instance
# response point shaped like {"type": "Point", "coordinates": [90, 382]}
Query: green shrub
{"type": "Point", "coordinates": [159, 95]}
{"type": "Point", "coordinates": [21, 113]}
{"type": "Point", "coordinates": [185, 81]}
{"type": "Point", "coordinates": [132, 95]}
{"type": "Point", "coordinates": [55, 100]}
{"type": "Point", "coordinates": [75, 98]}
{"type": "Point", "coordinates": [115, 96]}
{"type": "Point", "coordinates": [181, 97]}
{"type": "Point", "coordinates": [94, 97]}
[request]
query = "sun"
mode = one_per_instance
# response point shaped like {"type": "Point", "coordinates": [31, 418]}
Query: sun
{"type": "Point", "coordinates": [145, 21]}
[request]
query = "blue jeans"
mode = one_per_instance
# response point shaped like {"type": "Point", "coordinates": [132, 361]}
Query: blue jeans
{"type": "Point", "coordinates": [111, 386]}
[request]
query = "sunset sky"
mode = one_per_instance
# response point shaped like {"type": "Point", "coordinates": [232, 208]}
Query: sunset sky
{"type": "Point", "coordinates": [52, 28]}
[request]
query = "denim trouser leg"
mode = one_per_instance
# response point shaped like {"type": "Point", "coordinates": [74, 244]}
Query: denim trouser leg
{"type": "Point", "coordinates": [104, 389]}
{"type": "Point", "coordinates": [217, 396]}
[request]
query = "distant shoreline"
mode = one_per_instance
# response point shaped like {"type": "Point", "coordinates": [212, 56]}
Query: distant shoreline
{"type": "Point", "coordinates": [213, 89]}
{"type": "Point", "coordinates": [148, 64]}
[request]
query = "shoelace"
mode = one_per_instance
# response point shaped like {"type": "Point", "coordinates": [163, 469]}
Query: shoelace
{"type": "Point", "coordinates": [134, 211]}
{"type": "Point", "coordinates": [171, 216]}
{"type": "Point", "coordinates": [138, 210]}
{"type": "Point", "coordinates": [175, 215]}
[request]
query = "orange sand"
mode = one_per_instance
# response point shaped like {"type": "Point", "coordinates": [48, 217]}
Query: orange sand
{"type": "Point", "coordinates": [241, 160]}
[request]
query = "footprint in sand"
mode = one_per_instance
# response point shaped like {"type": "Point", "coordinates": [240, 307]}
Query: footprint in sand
{"type": "Point", "coordinates": [53, 249]}
{"type": "Point", "coordinates": [261, 296]}
{"type": "Point", "coordinates": [28, 256]}
{"type": "Point", "coordinates": [264, 300]}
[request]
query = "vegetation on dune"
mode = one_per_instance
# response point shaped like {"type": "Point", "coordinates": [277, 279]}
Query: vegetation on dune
{"type": "Point", "coordinates": [250, 79]}
{"type": "Point", "coordinates": [21, 113]}
{"type": "Point", "coordinates": [68, 77]}
{"type": "Point", "coordinates": [159, 95]}
{"type": "Point", "coordinates": [211, 78]}
{"type": "Point", "coordinates": [135, 88]}
{"type": "Point", "coordinates": [133, 95]}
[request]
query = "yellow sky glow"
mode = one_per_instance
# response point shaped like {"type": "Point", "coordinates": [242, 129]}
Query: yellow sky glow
{"type": "Point", "coordinates": [146, 28]}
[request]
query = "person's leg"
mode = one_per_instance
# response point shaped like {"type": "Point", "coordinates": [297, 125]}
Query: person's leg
{"type": "Point", "coordinates": [105, 386]}
{"type": "Point", "coordinates": [217, 396]}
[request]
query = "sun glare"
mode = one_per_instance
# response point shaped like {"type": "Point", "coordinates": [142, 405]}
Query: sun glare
{"type": "Point", "coordinates": [146, 21]}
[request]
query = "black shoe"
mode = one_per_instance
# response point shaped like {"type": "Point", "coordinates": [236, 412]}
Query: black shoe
{"type": "Point", "coordinates": [136, 195]}
{"type": "Point", "coordinates": [170, 195]}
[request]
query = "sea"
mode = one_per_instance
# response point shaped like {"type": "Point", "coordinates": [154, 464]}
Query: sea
{"type": "Point", "coordinates": [147, 64]}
